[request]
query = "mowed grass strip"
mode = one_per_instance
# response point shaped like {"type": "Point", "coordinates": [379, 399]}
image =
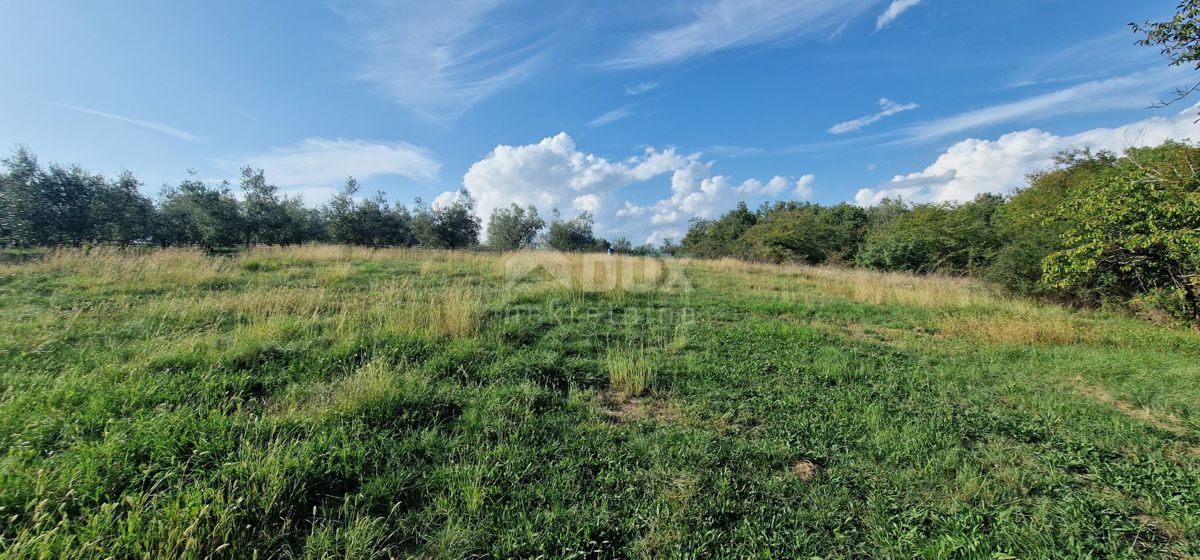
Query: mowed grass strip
{"type": "Point", "coordinates": [341, 402]}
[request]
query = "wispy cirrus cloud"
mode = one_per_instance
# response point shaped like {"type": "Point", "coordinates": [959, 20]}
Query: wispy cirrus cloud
{"type": "Point", "coordinates": [731, 151]}
{"type": "Point", "coordinates": [887, 108]}
{"type": "Point", "coordinates": [148, 125]}
{"type": "Point", "coordinates": [612, 116]}
{"type": "Point", "coordinates": [640, 88]}
{"type": "Point", "coordinates": [893, 11]}
{"type": "Point", "coordinates": [1103, 56]}
{"type": "Point", "coordinates": [317, 166]}
{"type": "Point", "coordinates": [1136, 90]}
{"type": "Point", "coordinates": [438, 59]}
{"type": "Point", "coordinates": [718, 25]}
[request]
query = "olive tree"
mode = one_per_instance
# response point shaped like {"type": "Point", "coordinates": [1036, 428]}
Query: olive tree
{"type": "Point", "coordinates": [514, 227]}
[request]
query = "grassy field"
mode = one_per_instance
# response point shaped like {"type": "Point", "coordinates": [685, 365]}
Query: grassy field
{"type": "Point", "coordinates": [336, 402]}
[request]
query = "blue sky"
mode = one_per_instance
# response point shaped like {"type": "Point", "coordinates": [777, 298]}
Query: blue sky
{"type": "Point", "coordinates": [646, 114]}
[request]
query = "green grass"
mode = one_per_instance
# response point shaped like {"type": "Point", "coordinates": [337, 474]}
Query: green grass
{"type": "Point", "coordinates": [629, 372]}
{"type": "Point", "coordinates": [330, 402]}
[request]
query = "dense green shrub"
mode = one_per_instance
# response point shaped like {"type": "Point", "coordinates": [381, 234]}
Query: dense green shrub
{"type": "Point", "coordinates": [721, 237]}
{"type": "Point", "coordinates": [1136, 234]}
{"type": "Point", "coordinates": [805, 232]}
{"type": "Point", "coordinates": [514, 227]}
{"type": "Point", "coordinates": [945, 237]}
{"type": "Point", "coordinates": [1031, 228]}
{"type": "Point", "coordinates": [450, 226]}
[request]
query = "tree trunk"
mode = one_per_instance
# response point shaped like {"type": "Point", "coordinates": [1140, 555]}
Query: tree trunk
{"type": "Point", "coordinates": [1192, 298]}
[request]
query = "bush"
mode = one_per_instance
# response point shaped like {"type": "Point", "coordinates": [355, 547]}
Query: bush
{"type": "Point", "coordinates": [1029, 226]}
{"type": "Point", "coordinates": [810, 233]}
{"type": "Point", "coordinates": [1136, 235]}
{"type": "Point", "coordinates": [721, 237]}
{"type": "Point", "coordinates": [926, 238]}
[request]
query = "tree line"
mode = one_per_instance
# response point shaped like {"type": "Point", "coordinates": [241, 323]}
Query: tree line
{"type": "Point", "coordinates": [67, 205]}
{"type": "Point", "coordinates": [1096, 228]}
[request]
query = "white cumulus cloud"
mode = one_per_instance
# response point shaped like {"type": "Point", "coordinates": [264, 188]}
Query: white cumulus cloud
{"type": "Point", "coordinates": [445, 200]}
{"type": "Point", "coordinates": [975, 166]}
{"type": "Point", "coordinates": [697, 193]}
{"type": "Point", "coordinates": [554, 173]}
{"type": "Point", "coordinates": [803, 190]}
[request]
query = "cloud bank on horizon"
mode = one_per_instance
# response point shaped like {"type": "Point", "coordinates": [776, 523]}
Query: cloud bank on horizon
{"type": "Point", "coordinates": [555, 174]}
{"type": "Point", "coordinates": [975, 166]}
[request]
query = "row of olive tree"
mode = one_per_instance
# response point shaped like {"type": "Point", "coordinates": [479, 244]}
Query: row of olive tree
{"type": "Point", "coordinates": [1094, 228]}
{"type": "Point", "coordinates": [515, 228]}
{"type": "Point", "coordinates": [66, 205]}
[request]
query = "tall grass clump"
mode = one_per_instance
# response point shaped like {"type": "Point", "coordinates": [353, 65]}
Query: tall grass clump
{"type": "Point", "coordinates": [144, 269]}
{"type": "Point", "coordinates": [456, 313]}
{"type": "Point", "coordinates": [1027, 325]}
{"type": "Point", "coordinates": [869, 286]}
{"type": "Point", "coordinates": [453, 311]}
{"type": "Point", "coordinates": [630, 372]}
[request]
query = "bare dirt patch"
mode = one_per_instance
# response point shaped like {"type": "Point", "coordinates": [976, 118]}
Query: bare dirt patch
{"type": "Point", "coordinates": [632, 409]}
{"type": "Point", "coordinates": [804, 469]}
{"type": "Point", "coordinates": [1165, 530]}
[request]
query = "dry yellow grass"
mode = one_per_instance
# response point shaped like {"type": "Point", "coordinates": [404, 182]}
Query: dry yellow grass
{"type": "Point", "coordinates": [400, 305]}
{"type": "Point", "coordinates": [454, 310]}
{"type": "Point", "coordinates": [373, 381]}
{"type": "Point", "coordinates": [867, 286]}
{"type": "Point", "coordinates": [968, 308]}
{"type": "Point", "coordinates": [1030, 329]}
{"type": "Point", "coordinates": [148, 269]}
{"type": "Point", "coordinates": [352, 253]}
{"type": "Point", "coordinates": [901, 289]}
